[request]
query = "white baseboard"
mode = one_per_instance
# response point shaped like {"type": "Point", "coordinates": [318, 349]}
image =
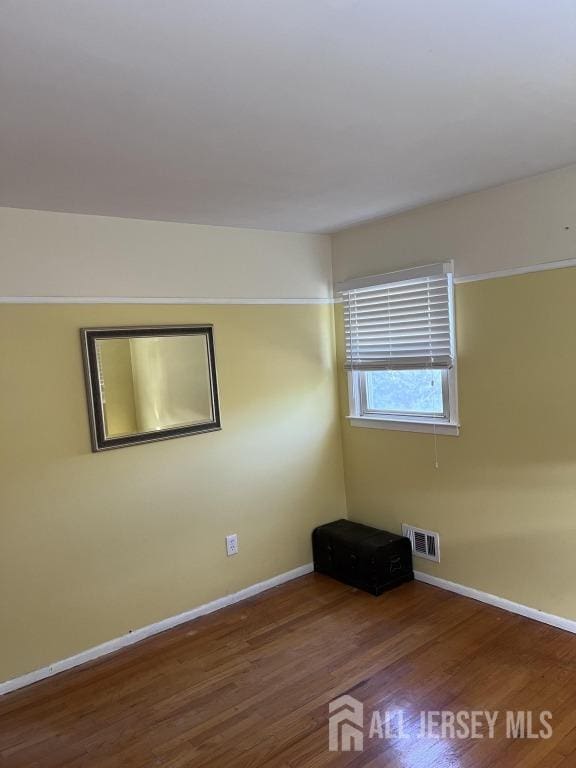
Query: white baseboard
{"type": "Point", "coordinates": [151, 629]}
{"type": "Point", "coordinates": [161, 626]}
{"type": "Point", "coordinates": [499, 602]}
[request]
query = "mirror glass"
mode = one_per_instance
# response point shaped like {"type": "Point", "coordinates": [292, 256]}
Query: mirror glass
{"type": "Point", "coordinates": [146, 386]}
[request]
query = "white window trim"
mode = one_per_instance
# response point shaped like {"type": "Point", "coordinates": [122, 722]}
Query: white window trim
{"type": "Point", "coordinates": [449, 425]}
{"type": "Point", "coordinates": [441, 428]}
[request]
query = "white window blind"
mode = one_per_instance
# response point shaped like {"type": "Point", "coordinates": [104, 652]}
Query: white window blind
{"type": "Point", "coordinates": [402, 320]}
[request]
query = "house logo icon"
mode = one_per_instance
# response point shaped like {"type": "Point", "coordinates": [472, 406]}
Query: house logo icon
{"type": "Point", "coordinates": [346, 724]}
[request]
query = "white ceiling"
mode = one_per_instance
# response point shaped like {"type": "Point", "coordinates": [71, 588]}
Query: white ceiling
{"type": "Point", "coordinates": [302, 115]}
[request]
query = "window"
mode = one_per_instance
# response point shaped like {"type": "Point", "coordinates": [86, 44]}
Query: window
{"type": "Point", "coordinates": [401, 351]}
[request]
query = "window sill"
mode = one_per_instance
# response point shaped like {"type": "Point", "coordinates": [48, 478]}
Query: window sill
{"type": "Point", "coordinates": [374, 422]}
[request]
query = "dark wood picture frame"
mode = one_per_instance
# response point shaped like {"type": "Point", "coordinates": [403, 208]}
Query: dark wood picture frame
{"type": "Point", "coordinates": [100, 441]}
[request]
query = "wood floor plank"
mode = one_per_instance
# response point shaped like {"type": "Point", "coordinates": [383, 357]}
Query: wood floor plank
{"type": "Point", "coordinates": [249, 686]}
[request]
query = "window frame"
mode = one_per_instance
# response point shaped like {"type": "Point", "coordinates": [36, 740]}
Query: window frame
{"type": "Point", "coordinates": [359, 414]}
{"type": "Point", "coordinates": [392, 414]}
{"type": "Point", "coordinates": [445, 424]}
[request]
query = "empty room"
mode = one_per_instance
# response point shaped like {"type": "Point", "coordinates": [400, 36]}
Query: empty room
{"type": "Point", "coordinates": [287, 384]}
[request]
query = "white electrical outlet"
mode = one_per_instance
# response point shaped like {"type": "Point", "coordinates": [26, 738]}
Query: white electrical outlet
{"type": "Point", "coordinates": [232, 544]}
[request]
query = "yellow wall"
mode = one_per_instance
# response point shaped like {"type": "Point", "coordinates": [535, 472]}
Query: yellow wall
{"type": "Point", "coordinates": [504, 497]}
{"type": "Point", "coordinates": [93, 545]}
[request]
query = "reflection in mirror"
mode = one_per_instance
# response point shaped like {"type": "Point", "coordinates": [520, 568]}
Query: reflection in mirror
{"type": "Point", "coordinates": [149, 384]}
{"type": "Point", "coordinates": [153, 383]}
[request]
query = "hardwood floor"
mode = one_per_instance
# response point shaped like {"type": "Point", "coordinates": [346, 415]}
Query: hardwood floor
{"type": "Point", "coordinates": [250, 685]}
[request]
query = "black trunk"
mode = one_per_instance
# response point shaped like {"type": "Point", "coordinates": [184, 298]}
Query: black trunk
{"type": "Point", "coordinates": [364, 557]}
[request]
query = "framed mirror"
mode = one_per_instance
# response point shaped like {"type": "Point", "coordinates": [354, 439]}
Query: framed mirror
{"type": "Point", "coordinates": [149, 383]}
